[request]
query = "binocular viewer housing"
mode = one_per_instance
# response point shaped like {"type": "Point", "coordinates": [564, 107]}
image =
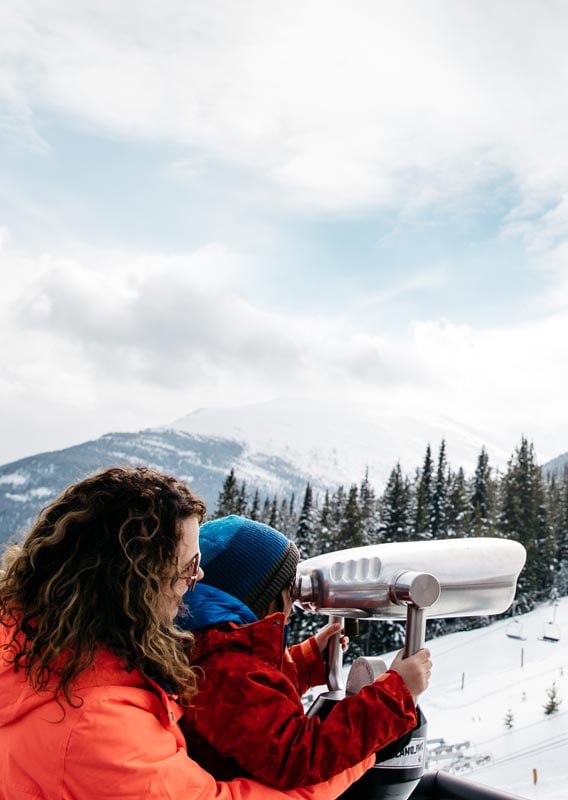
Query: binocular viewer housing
{"type": "Point", "coordinates": [445, 577]}
{"type": "Point", "coordinates": [403, 580]}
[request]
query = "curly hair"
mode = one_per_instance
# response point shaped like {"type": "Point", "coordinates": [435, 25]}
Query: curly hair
{"type": "Point", "coordinates": [92, 573]}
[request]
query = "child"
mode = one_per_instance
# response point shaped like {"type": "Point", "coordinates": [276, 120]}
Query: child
{"type": "Point", "coordinates": [248, 718]}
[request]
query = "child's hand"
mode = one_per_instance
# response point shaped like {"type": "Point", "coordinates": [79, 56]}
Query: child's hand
{"type": "Point", "coordinates": [414, 670]}
{"type": "Point", "coordinates": [323, 636]}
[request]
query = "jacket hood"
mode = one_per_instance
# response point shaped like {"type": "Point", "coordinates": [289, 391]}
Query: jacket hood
{"type": "Point", "coordinates": [19, 698]}
{"type": "Point", "coordinates": [207, 606]}
{"type": "Point", "coordinates": [264, 638]}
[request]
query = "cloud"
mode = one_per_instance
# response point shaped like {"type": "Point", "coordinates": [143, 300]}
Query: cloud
{"type": "Point", "coordinates": [509, 380]}
{"type": "Point", "coordinates": [175, 321]}
{"type": "Point", "coordinates": [408, 107]}
{"type": "Point", "coordinates": [546, 241]}
{"type": "Point", "coordinates": [340, 107]}
{"type": "Point", "coordinates": [169, 321]}
{"type": "Point", "coordinates": [127, 344]}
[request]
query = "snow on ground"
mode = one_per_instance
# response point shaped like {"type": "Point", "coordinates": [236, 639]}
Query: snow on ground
{"type": "Point", "coordinates": [477, 677]}
{"type": "Point", "coordinates": [501, 673]}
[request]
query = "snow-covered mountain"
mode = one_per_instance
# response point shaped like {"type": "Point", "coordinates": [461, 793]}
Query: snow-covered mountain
{"type": "Point", "coordinates": [556, 466]}
{"type": "Point", "coordinates": [336, 439]}
{"type": "Point", "coordinates": [275, 446]}
{"type": "Point", "coordinates": [28, 484]}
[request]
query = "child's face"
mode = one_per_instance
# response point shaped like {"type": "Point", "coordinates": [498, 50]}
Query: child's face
{"type": "Point", "coordinates": [283, 604]}
{"type": "Point", "coordinates": [287, 603]}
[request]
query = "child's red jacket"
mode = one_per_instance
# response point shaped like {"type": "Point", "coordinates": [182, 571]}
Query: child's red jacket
{"type": "Point", "coordinates": [248, 718]}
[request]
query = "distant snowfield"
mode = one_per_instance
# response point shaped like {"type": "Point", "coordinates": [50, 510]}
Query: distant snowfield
{"type": "Point", "coordinates": [337, 438]}
{"type": "Point", "coordinates": [494, 682]}
{"type": "Point", "coordinates": [489, 664]}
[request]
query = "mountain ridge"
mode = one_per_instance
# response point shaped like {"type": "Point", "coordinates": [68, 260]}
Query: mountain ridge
{"type": "Point", "coordinates": [339, 440]}
{"type": "Point", "coordinates": [275, 446]}
{"type": "Point", "coordinates": [203, 462]}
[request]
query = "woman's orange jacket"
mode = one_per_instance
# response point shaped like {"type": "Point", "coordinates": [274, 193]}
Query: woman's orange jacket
{"type": "Point", "coordinates": [122, 741]}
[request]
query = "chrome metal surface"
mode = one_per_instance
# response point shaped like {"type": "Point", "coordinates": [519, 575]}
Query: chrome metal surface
{"type": "Point", "coordinates": [335, 679]}
{"type": "Point", "coordinates": [415, 630]}
{"type": "Point", "coordinates": [419, 589]}
{"type": "Point", "coordinates": [477, 576]}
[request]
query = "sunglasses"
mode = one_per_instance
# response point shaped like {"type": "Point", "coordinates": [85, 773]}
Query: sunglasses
{"type": "Point", "coordinates": [191, 572]}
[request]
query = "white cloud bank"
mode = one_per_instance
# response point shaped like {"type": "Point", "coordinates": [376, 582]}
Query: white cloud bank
{"type": "Point", "coordinates": [340, 106]}
{"type": "Point", "coordinates": [125, 346]}
{"type": "Point", "coordinates": [337, 107]}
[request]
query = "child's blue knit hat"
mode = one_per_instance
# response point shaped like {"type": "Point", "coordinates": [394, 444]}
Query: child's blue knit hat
{"type": "Point", "coordinates": [249, 560]}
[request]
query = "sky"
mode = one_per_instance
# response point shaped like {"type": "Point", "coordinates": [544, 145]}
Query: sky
{"type": "Point", "coordinates": [213, 204]}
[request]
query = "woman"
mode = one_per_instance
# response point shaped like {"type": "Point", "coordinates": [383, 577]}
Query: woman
{"type": "Point", "coordinates": [93, 674]}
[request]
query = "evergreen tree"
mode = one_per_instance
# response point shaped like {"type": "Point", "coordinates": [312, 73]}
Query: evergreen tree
{"type": "Point", "coordinates": [287, 520]}
{"type": "Point", "coordinates": [306, 534]}
{"type": "Point", "coordinates": [266, 509]}
{"type": "Point", "coordinates": [286, 524]}
{"type": "Point", "coordinates": [369, 512]}
{"type": "Point", "coordinates": [458, 520]}
{"type": "Point", "coordinates": [291, 510]}
{"type": "Point", "coordinates": [523, 517]}
{"type": "Point", "coordinates": [304, 624]}
{"type": "Point", "coordinates": [337, 504]}
{"type": "Point", "coordinates": [242, 501]}
{"type": "Point", "coordinates": [423, 512]}
{"type": "Point", "coordinates": [553, 702]}
{"type": "Point", "coordinates": [383, 637]}
{"type": "Point", "coordinates": [351, 530]}
{"type": "Point", "coordinates": [395, 525]}
{"type": "Point", "coordinates": [255, 507]}
{"type": "Point", "coordinates": [509, 719]}
{"type": "Point", "coordinates": [438, 519]}
{"type": "Point", "coordinates": [273, 518]}
{"type": "Point", "coordinates": [229, 500]}
{"type": "Point", "coordinates": [481, 498]}
{"type": "Point", "coordinates": [558, 510]}
{"type": "Point", "coordinates": [326, 537]}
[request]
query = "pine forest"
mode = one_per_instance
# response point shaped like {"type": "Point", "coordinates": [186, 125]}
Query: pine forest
{"type": "Point", "coordinates": [436, 502]}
